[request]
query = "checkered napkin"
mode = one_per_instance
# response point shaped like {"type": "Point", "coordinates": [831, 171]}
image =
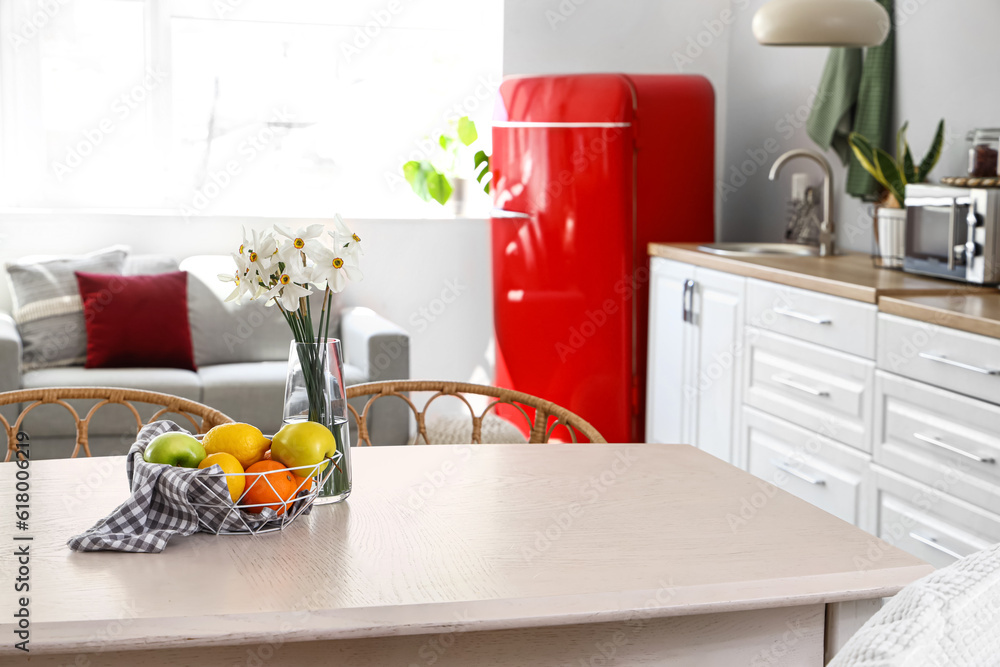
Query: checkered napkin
{"type": "Point", "coordinates": [166, 501]}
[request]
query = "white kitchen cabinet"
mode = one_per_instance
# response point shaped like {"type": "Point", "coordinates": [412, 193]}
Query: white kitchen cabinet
{"type": "Point", "coordinates": [695, 345]}
{"type": "Point", "coordinates": [936, 436]}
{"type": "Point", "coordinates": [820, 471]}
{"type": "Point", "coordinates": [927, 521]}
{"type": "Point", "coordinates": [671, 347]}
{"type": "Point", "coordinates": [831, 321]}
{"type": "Point", "coordinates": [962, 362]}
{"type": "Point", "coordinates": [822, 389]}
{"type": "Point", "coordinates": [804, 389]}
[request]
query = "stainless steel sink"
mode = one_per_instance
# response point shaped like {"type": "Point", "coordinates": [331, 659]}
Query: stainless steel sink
{"type": "Point", "coordinates": [751, 249]}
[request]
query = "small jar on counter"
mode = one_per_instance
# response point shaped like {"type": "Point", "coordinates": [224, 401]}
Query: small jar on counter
{"type": "Point", "coordinates": [984, 149]}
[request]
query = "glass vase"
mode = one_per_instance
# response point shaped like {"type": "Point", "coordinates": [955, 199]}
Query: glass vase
{"type": "Point", "coordinates": [315, 391]}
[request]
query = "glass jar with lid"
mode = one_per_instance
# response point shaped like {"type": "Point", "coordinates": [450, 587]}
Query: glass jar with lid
{"type": "Point", "coordinates": [984, 148]}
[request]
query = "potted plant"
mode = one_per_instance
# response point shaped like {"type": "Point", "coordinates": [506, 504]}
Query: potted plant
{"type": "Point", "coordinates": [893, 174]}
{"type": "Point", "coordinates": [436, 177]}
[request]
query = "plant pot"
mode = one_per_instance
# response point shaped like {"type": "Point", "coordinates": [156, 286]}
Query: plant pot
{"type": "Point", "coordinates": [458, 199]}
{"type": "Point", "coordinates": [890, 237]}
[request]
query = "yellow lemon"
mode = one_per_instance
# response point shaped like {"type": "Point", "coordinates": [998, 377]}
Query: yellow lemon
{"type": "Point", "coordinates": [243, 441]}
{"type": "Point", "coordinates": [234, 472]}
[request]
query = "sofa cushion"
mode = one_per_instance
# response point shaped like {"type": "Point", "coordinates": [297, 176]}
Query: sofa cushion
{"type": "Point", "coordinates": [54, 420]}
{"type": "Point", "coordinates": [219, 330]}
{"type": "Point", "coordinates": [47, 305]}
{"type": "Point", "coordinates": [254, 392]}
{"type": "Point", "coordinates": [137, 321]}
{"type": "Point", "coordinates": [225, 333]}
{"type": "Point", "coordinates": [250, 392]}
{"type": "Point", "coordinates": [148, 265]}
{"type": "Point", "coordinates": [231, 332]}
{"type": "Point", "coordinates": [354, 375]}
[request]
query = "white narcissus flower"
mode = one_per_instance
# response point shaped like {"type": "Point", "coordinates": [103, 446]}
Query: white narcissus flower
{"type": "Point", "coordinates": [292, 285]}
{"type": "Point", "coordinates": [299, 241]}
{"type": "Point", "coordinates": [284, 270]}
{"type": "Point", "coordinates": [246, 281]}
{"type": "Point", "coordinates": [335, 267]}
{"type": "Point", "coordinates": [263, 253]}
{"type": "Point", "coordinates": [344, 237]}
{"type": "Point", "coordinates": [255, 263]}
{"type": "Point", "coordinates": [231, 278]}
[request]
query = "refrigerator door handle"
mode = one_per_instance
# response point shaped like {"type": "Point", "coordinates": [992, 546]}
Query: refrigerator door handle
{"type": "Point", "coordinates": [504, 214]}
{"type": "Point", "coordinates": [688, 301]}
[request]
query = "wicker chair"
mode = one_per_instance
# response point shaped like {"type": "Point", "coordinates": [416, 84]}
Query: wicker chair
{"type": "Point", "coordinates": [32, 398]}
{"type": "Point", "coordinates": [541, 425]}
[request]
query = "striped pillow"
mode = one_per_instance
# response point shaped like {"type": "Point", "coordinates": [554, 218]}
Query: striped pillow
{"type": "Point", "coordinates": [47, 306]}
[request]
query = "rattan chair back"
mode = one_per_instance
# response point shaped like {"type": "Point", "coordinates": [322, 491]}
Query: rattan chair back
{"type": "Point", "coordinates": [30, 399]}
{"type": "Point", "coordinates": [546, 417]}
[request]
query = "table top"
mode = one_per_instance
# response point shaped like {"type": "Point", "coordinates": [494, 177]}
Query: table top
{"type": "Point", "coordinates": [967, 311]}
{"type": "Point", "coordinates": [851, 275]}
{"type": "Point", "coordinates": [439, 538]}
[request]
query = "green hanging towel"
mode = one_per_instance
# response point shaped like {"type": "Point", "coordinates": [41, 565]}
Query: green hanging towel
{"type": "Point", "coordinates": [856, 96]}
{"type": "Point", "coordinates": [832, 115]}
{"type": "Point", "coordinates": [874, 115]}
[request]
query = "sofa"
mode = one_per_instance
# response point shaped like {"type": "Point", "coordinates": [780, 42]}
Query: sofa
{"type": "Point", "coordinates": [241, 352]}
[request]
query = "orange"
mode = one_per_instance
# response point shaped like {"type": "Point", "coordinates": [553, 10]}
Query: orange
{"type": "Point", "coordinates": [243, 441]}
{"type": "Point", "coordinates": [234, 472]}
{"type": "Point", "coordinates": [277, 494]}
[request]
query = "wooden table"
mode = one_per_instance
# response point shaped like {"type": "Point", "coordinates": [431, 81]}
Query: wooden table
{"type": "Point", "coordinates": [462, 555]}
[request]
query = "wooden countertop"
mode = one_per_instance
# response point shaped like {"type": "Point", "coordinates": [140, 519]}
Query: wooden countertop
{"type": "Point", "coordinates": [968, 311]}
{"type": "Point", "coordinates": [851, 276]}
{"type": "Point", "coordinates": [447, 538]}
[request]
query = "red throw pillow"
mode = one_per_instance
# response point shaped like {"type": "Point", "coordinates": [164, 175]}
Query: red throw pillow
{"type": "Point", "coordinates": [137, 321]}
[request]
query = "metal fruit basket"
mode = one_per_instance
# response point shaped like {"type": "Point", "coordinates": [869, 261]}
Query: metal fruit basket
{"type": "Point", "coordinates": [221, 516]}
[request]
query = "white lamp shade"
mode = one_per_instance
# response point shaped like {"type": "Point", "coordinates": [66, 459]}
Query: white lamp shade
{"type": "Point", "coordinates": [849, 23]}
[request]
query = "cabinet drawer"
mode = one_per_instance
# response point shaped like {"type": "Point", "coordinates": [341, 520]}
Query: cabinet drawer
{"type": "Point", "coordinates": [932, 435]}
{"type": "Point", "coordinates": [928, 523]}
{"type": "Point", "coordinates": [947, 358]}
{"type": "Point", "coordinates": [832, 321]}
{"type": "Point", "coordinates": [814, 468]}
{"type": "Point", "coordinates": [823, 390]}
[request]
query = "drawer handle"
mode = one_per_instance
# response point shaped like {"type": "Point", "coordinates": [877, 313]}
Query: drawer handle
{"type": "Point", "coordinates": [958, 364]}
{"type": "Point", "coordinates": [503, 214]}
{"type": "Point", "coordinates": [811, 319]}
{"type": "Point", "coordinates": [931, 440]}
{"type": "Point", "coordinates": [795, 472]}
{"type": "Point", "coordinates": [687, 301]}
{"type": "Point", "coordinates": [933, 544]}
{"type": "Point", "coordinates": [804, 388]}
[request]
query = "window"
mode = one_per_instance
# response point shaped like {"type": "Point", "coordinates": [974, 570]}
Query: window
{"type": "Point", "coordinates": [219, 107]}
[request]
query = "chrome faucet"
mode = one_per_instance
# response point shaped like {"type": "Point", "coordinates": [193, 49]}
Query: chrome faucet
{"type": "Point", "coordinates": [826, 231]}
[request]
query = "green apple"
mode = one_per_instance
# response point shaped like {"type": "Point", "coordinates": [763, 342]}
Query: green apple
{"type": "Point", "coordinates": [175, 449]}
{"type": "Point", "coordinates": [303, 444]}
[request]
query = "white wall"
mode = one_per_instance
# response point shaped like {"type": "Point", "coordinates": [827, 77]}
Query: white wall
{"type": "Point", "coordinates": [944, 51]}
{"type": "Point", "coordinates": [633, 37]}
{"type": "Point", "coordinates": [944, 63]}
{"type": "Point", "coordinates": [432, 277]}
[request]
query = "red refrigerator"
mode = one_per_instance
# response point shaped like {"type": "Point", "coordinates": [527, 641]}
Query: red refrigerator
{"type": "Point", "coordinates": [587, 170]}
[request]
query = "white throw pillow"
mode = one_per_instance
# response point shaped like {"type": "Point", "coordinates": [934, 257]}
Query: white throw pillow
{"type": "Point", "coordinates": [950, 617]}
{"type": "Point", "coordinates": [235, 332]}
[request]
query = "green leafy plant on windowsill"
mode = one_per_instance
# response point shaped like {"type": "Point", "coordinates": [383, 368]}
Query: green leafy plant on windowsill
{"type": "Point", "coordinates": [894, 173]}
{"type": "Point", "coordinates": [433, 179]}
